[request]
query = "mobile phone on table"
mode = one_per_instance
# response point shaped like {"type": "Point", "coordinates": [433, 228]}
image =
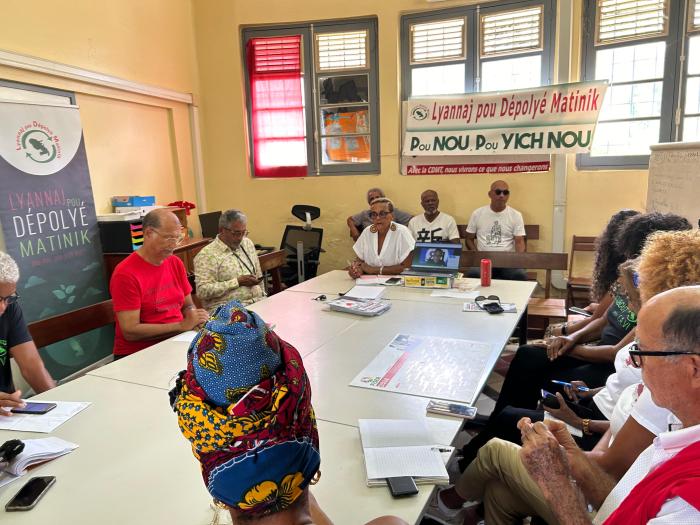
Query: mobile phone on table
{"type": "Point", "coordinates": [30, 494]}
{"type": "Point", "coordinates": [393, 280]}
{"type": "Point", "coordinates": [402, 486]}
{"type": "Point", "coordinates": [580, 311]}
{"type": "Point", "coordinates": [34, 408]}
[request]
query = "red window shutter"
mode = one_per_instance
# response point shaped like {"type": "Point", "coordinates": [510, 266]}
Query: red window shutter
{"type": "Point", "coordinates": [278, 125]}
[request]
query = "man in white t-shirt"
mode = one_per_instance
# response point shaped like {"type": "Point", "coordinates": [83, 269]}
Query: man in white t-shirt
{"type": "Point", "coordinates": [497, 228]}
{"type": "Point", "coordinates": [433, 225]}
{"type": "Point", "coordinates": [659, 487]}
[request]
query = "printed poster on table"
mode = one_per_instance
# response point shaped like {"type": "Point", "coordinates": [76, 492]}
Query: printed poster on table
{"type": "Point", "coordinates": [516, 130]}
{"type": "Point", "coordinates": [438, 367]}
{"type": "Point", "coordinates": [48, 221]}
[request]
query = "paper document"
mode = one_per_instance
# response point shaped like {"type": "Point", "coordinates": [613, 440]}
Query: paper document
{"type": "Point", "coordinates": [508, 308]}
{"type": "Point", "coordinates": [455, 294]}
{"type": "Point", "coordinates": [428, 366]}
{"type": "Point", "coordinates": [369, 280]}
{"type": "Point", "coordinates": [43, 422]}
{"type": "Point", "coordinates": [364, 292]}
{"type": "Point", "coordinates": [185, 337]}
{"type": "Point", "coordinates": [400, 447]}
{"type": "Point", "coordinates": [572, 430]}
{"type": "Point", "coordinates": [35, 451]}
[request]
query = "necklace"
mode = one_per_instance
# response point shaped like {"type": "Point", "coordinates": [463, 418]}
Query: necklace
{"type": "Point", "coordinates": [250, 269]}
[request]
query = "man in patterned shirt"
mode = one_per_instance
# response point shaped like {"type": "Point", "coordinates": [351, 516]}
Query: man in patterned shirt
{"type": "Point", "coordinates": [228, 268]}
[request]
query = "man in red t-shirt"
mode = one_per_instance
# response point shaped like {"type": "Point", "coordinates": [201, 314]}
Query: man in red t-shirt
{"type": "Point", "coordinates": [151, 294]}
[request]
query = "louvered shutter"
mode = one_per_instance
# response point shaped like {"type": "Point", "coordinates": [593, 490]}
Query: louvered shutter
{"type": "Point", "coordinates": [347, 50]}
{"type": "Point", "coordinates": [623, 20]}
{"type": "Point", "coordinates": [437, 41]}
{"type": "Point", "coordinates": [510, 32]}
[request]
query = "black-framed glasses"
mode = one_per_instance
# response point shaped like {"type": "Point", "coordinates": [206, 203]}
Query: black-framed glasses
{"type": "Point", "coordinates": [382, 214]}
{"type": "Point", "coordinates": [480, 300]}
{"type": "Point", "coordinates": [501, 192]}
{"type": "Point", "coordinates": [636, 354]}
{"type": "Point", "coordinates": [237, 233]}
{"type": "Point", "coordinates": [9, 299]}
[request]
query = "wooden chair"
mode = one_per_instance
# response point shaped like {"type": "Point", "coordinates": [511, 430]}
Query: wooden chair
{"type": "Point", "coordinates": [578, 287]}
{"type": "Point", "coordinates": [532, 232]}
{"type": "Point", "coordinates": [540, 311]}
{"type": "Point", "coordinates": [272, 263]}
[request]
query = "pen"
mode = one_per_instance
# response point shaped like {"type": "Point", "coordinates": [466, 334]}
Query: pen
{"type": "Point", "coordinates": [564, 383]}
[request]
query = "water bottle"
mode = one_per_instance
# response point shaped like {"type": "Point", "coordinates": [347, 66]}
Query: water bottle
{"type": "Point", "coordinates": [485, 272]}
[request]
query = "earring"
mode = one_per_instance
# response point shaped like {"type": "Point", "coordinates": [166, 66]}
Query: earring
{"type": "Point", "coordinates": [393, 227]}
{"type": "Point", "coordinates": [316, 478]}
{"type": "Point", "coordinates": [373, 229]}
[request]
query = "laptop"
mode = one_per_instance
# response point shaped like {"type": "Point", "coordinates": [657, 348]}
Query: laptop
{"type": "Point", "coordinates": [209, 223]}
{"type": "Point", "coordinates": [435, 258]}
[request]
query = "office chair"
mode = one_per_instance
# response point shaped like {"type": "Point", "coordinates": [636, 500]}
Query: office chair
{"type": "Point", "coordinates": [303, 246]}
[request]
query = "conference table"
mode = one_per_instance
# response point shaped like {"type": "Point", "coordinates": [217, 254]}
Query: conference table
{"type": "Point", "coordinates": [133, 465]}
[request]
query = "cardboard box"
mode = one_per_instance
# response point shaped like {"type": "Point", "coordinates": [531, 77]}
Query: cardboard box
{"type": "Point", "coordinates": [134, 201]}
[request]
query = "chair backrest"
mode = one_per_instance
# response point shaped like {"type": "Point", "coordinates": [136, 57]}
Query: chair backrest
{"type": "Point", "coordinates": [529, 261]}
{"type": "Point", "coordinates": [271, 263]}
{"type": "Point", "coordinates": [532, 232]}
{"type": "Point", "coordinates": [580, 243]}
{"type": "Point", "coordinates": [311, 238]}
{"type": "Point", "coordinates": [63, 326]}
{"type": "Point", "coordinates": [209, 223]}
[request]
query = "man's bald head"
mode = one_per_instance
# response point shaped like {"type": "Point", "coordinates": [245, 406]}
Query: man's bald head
{"type": "Point", "coordinates": [499, 194]}
{"type": "Point", "coordinates": [158, 217]}
{"type": "Point", "coordinates": [664, 315]}
{"type": "Point", "coordinates": [500, 184]}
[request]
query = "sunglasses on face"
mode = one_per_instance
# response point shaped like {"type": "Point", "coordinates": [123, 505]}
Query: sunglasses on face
{"type": "Point", "coordinates": [636, 354]}
{"type": "Point", "coordinates": [502, 192]}
{"type": "Point", "coordinates": [382, 214]}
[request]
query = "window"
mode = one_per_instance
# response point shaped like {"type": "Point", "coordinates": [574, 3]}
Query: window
{"type": "Point", "coordinates": [312, 99]}
{"type": "Point", "coordinates": [641, 47]}
{"type": "Point", "coordinates": [488, 47]}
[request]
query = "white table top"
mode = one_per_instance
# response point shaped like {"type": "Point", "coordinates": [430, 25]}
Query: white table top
{"type": "Point", "coordinates": [121, 474]}
{"type": "Point", "coordinates": [338, 281]}
{"type": "Point", "coordinates": [133, 466]}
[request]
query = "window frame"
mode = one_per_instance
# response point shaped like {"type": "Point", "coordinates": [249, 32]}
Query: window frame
{"type": "Point", "coordinates": [314, 152]}
{"type": "Point", "coordinates": [670, 79]}
{"type": "Point", "coordinates": [472, 80]}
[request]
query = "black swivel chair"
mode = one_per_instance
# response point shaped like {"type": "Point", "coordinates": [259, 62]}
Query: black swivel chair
{"type": "Point", "coordinates": [304, 241]}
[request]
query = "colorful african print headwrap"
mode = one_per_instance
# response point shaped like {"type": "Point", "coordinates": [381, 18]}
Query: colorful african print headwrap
{"type": "Point", "coordinates": [244, 403]}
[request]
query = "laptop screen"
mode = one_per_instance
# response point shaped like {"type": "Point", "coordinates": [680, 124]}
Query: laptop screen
{"type": "Point", "coordinates": [436, 256]}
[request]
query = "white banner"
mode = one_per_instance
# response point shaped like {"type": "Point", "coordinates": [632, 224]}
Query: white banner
{"type": "Point", "coordinates": [551, 119]}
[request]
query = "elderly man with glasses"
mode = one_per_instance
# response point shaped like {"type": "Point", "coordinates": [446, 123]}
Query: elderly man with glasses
{"type": "Point", "coordinates": [663, 484]}
{"type": "Point", "coordinates": [16, 342]}
{"type": "Point", "coordinates": [228, 268]}
{"type": "Point", "coordinates": [497, 228]}
{"type": "Point", "coordinates": [151, 294]}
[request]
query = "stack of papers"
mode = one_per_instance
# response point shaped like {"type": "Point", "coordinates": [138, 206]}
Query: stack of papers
{"type": "Point", "coordinates": [373, 280]}
{"type": "Point", "coordinates": [35, 451]}
{"type": "Point", "coordinates": [366, 293]}
{"type": "Point", "coordinates": [400, 447]}
{"type": "Point", "coordinates": [359, 307]}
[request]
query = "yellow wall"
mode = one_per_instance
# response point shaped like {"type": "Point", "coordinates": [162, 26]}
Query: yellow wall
{"type": "Point", "coordinates": [136, 144]}
{"type": "Point", "coordinates": [592, 196]}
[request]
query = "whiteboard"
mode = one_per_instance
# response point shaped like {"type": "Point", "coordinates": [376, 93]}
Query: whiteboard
{"type": "Point", "coordinates": [674, 180]}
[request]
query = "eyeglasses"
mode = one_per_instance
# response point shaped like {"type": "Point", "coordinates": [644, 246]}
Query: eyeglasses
{"type": "Point", "coordinates": [502, 192]}
{"type": "Point", "coordinates": [480, 300]}
{"type": "Point", "coordinates": [177, 239]}
{"type": "Point", "coordinates": [636, 354]}
{"type": "Point", "coordinates": [9, 299]}
{"type": "Point", "coordinates": [382, 214]}
{"type": "Point", "coordinates": [237, 233]}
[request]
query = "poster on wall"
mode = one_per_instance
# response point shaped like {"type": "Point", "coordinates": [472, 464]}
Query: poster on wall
{"type": "Point", "coordinates": [47, 212]}
{"type": "Point", "coordinates": [517, 130]}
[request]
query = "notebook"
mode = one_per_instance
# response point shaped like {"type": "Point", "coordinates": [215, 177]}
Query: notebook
{"type": "Point", "coordinates": [435, 258]}
{"type": "Point", "coordinates": [35, 451]}
{"type": "Point", "coordinates": [401, 447]}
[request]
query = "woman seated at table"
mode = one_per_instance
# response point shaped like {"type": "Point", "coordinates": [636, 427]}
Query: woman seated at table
{"type": "Point", "coordinates": [244, 403]}
{"type": "Point", "coordinates": [385, 247]}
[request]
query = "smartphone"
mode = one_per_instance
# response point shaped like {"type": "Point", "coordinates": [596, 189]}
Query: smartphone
{"type": "Point", "coordinates": [549, 399]}
{"type": "Point", "coordinates": [402, 486]}
{"type": "Point", "coordinates": [393, 280]}
{"type": "Point", "coordinates": [35, 408]}
{"type": "Point", "coordinates": [580, 311]}
{"type": "Point", "coordinates": [30, 494]}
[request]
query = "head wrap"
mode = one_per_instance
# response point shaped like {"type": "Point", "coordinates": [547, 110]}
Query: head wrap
{"type": "Point", "coordinates": [244, 403]}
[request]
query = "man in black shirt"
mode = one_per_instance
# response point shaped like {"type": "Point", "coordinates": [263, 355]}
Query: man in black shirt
{"type": "Point", "coordinates": [16, 342]}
